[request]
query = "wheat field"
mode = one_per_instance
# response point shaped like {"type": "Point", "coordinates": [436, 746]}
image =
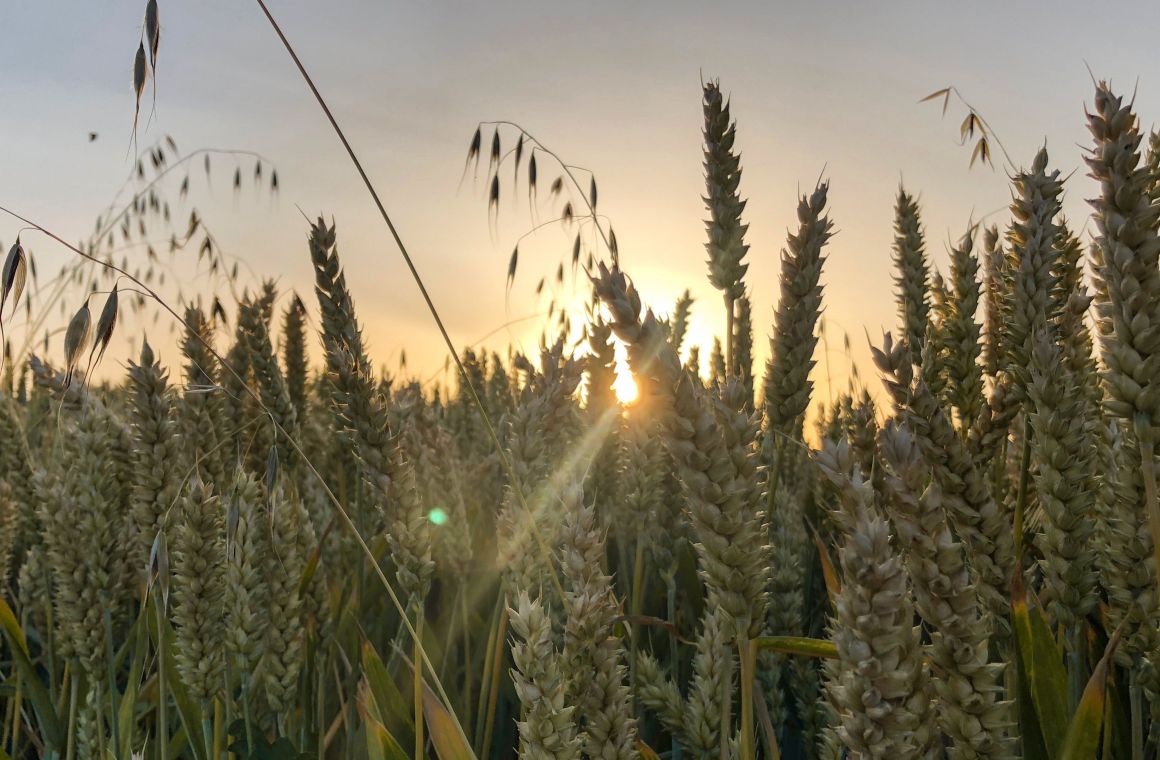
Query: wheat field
{"type": "Point", "coordinates": [257, 553]}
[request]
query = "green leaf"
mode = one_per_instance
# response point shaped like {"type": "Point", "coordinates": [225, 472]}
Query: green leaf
{"type": "Point", "coordinates": [1083, 733]}
{"type": "Point", "coordinates": [126, 711]}
{"type": "Point", "coordinates": [388, 699]}
{"type": "Point", "coordinates": [1042, 666]}
{"type": "Point", "coordinates": [800, 645]}
{"type": "Point", "coordinates": [50, 723]}
{"type": "Point", "coordinates": [446, 735]}
{"type": "Point", "coordinates": [381, 743]}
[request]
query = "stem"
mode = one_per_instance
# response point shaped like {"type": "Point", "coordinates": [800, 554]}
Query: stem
{"type": "Point", "coordinates": [419, 739]}
{"type": "Point", "coordinates": [674, 652]}
{"type": "Point", "coordinates": [207, 728]}
{"type": "Point", "coordinates": [1136, 698]}
{"type": "Point", "coordinates": [485, 679]}
{"type": "Point", "coordinates": [162, 694]}
{"type": "Point", "coordinates": [111, 657]}
{"type": "Point", "coordinates": [74, 688]}
{"type": "Point", "coordinates": [1077, 665]}
{"type": "Point", "coordinates": [1148, 463]}
{"type": "Point", "coordinates": [747, 651]}
{"type": "Point", "coordinates": [468, 677]}
{"type": "Point", "coordinates": [493, 693]}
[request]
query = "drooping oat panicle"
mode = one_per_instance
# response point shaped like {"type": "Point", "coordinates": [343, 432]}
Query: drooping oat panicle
{"type": "Point", "coordinates": [593, 659]}
{"type": "Point", "coordinates": [912, 272]}
{"type": "Point", "coordinates": [157, 475]}
{"type": "Point", "coordinates": [981, 521]}
{"type": "Point", "coordinates": [198, 560]}
{"type": "Point", "coordinates": [879, 685]}
{"type": "Point", "coordinates": [961, 333]}
{"type": "Point", "coordinates": [1063, 463]}
{"type": "Point", "coordinates": [971, 713]}
{"type": "Point", "coordinates": [787, 384]}
{"type": "Point", "coordinates": [1033, 251]}
{"type": "Point", "coordinates": [547, 723]}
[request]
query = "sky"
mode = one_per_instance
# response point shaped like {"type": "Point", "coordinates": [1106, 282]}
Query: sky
{"type": "Point", "coordinates": [820, 89]}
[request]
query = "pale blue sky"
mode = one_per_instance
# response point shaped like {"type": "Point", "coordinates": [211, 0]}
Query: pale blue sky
{"type": "Point", "coordinates": [609, 85]}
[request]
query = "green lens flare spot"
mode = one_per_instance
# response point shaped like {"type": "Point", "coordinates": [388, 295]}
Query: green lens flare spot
{"type": "Point", "coordinates": [437, 516]}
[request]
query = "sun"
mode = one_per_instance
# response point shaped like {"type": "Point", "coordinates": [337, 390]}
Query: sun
{"type": "Point", "coordinates": [624, 385]}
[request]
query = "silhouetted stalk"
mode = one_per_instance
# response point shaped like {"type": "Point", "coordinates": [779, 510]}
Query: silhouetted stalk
{"type": "Point", "coordinates": [493, 692]}
{"type": "Point", "coordinates": [485, 678]}
{"type": "Point", "coordinates": [162, 686]}
{"type": "Point", "coordinates": [74, 689]}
